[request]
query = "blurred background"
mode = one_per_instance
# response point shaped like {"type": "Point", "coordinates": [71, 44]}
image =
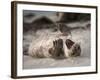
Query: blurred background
{"type": "Point", "coordinates": [34, 20]}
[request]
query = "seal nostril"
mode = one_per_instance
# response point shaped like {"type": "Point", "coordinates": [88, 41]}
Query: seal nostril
{"type": "Point", "coordinates": [73, 53]}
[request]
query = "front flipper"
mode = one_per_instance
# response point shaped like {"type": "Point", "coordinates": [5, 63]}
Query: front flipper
{"type": "Point", "coordinates": [57, 49]}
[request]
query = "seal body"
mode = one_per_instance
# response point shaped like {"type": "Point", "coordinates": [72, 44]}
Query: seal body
{"type": "Point", "coordinates": [53, 44]}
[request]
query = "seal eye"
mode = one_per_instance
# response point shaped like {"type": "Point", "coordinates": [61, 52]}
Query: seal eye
{"type": "Point", "coordinates": [76, 50]}
{"type": "Point", "coordinates": [77, 47]}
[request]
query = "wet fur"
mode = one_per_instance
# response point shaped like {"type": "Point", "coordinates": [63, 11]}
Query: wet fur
{"type": "Point", "coordinates": [54, 46]}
